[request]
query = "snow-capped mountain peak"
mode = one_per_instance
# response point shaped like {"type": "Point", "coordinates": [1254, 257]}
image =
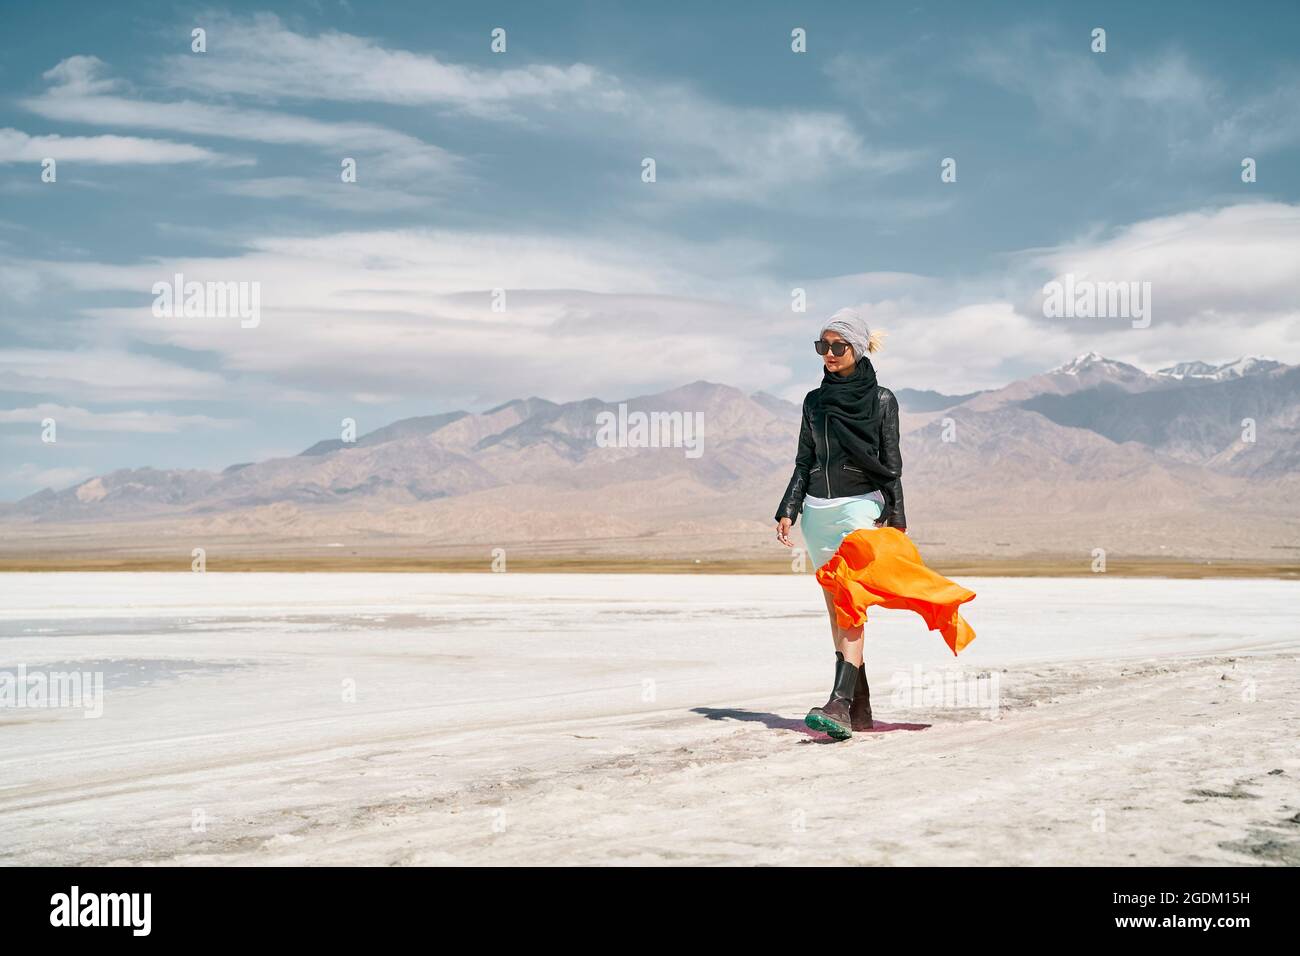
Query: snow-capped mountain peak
{"type": "Point", "coordinates": [1093, 361]}
{"type": "Point", "coordinates": [1246, 365]}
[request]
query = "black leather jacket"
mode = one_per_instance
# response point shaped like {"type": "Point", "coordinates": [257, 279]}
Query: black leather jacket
{"type": "Point", "coordinates": [827, 472]}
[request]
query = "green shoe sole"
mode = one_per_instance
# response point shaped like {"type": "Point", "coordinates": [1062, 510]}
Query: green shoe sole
{"type": "Point", "coordinates": [828, 726]}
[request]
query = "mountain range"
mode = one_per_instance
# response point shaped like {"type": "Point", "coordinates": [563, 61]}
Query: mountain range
{"type": "Point", "coordinates": [1192, 460]}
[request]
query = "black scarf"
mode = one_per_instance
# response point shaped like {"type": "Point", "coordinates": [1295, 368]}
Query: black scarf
{"type": "Point", "coordinates": [852, 407]}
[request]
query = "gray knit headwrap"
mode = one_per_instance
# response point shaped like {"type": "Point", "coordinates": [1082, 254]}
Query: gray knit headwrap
{"type": "Point", "coordinates": [852, 328]}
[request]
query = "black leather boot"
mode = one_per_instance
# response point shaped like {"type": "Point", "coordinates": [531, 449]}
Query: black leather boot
{"type": "Point", "coordinates": [860, 711]}
{"type": "Point", "coordinates": [834, 717]}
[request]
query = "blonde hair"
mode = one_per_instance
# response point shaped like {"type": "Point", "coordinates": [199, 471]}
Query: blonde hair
{"type": "Point", "coordinates": [876, 340]}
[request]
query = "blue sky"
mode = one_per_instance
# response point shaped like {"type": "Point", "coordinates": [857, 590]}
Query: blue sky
{"type": "Point", "coordinates": [522, 171]}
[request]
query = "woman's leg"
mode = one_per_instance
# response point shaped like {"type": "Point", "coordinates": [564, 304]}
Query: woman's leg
{"type": "Point", "coordinates": [851, 517]}
{"type": "Point", "coordinates": [847, 642]}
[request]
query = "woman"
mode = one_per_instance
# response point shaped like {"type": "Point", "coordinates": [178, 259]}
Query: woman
{"type": "Point", "coordinates": [847, 482]}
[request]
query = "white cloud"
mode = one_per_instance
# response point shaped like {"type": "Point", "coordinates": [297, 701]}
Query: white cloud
{"type": "Point", "coordinates": [1236, 265]}
{"type": "Point", "coordinates": [78, 95]}
{"type": "Point", "coordinates": [408, 312]}
{"type": "Point", "coordinates": [259, 56]}
{"type": "Point", "coordinates": [105, 374]}
{"type": "Point", "coordinates": [329, 192]}
{"type": "Point", "coordinates": [135, 420]}
{"type": "Point", "coordinates": [19, 147]}
{"type": "Point", "coordinates": [707, 149]}
{"type": "Point", "coordinates": [80, 76]}
{"type": "Point", "coordinates": [1156, 98]}
{"type": "Point", "coordinates": [1224, 283]}
{"type": "Point", "coordinates": [20, 285]}
{"type": "Point", "coordinates": [881, 85]}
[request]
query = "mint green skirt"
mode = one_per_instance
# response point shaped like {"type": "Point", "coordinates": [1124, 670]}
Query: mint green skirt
{"type": "Point", "coordinates": [828, 521]}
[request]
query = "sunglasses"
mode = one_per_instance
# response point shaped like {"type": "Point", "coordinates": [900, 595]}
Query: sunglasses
{"type": "Point", "coordinates": [839, 348]}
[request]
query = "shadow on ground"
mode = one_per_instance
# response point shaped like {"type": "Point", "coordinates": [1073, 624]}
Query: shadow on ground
{"type": "Point", "coordinates": [777, 722]}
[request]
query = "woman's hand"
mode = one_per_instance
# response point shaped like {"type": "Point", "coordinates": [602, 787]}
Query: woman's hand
{"type": "Point", "coordinates": [783, 532]}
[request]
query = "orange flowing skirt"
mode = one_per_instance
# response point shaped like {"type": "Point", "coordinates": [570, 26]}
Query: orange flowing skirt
{"type": "Point", "coordinates": [882, 566]}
